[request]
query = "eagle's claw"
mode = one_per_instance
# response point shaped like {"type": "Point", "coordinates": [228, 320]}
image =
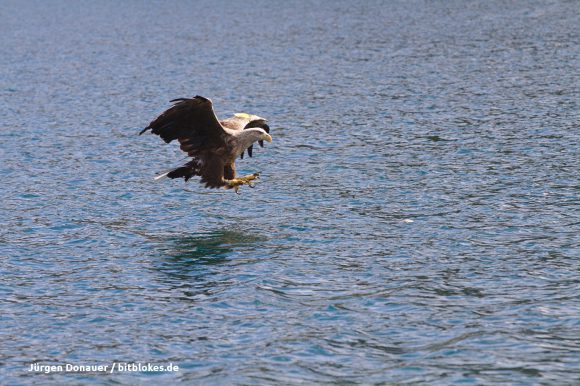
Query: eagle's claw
{"type": "Point", "coordinates": [246, 180]}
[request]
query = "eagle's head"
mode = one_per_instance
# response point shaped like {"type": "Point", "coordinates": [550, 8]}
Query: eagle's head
{"type": "Point", "coordinates": [265, 136]}
{"type": "Point", "coordinates": [245, 138]}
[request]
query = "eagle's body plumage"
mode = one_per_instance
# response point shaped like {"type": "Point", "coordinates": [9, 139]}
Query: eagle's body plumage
{"type": "Point", "coordinates": [213, 145]}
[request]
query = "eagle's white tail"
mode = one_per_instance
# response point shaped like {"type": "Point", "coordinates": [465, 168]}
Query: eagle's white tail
{"type": "Point", "coordinates": [186, 171]}
{"type": "Point", "coordinates": [162, 176]}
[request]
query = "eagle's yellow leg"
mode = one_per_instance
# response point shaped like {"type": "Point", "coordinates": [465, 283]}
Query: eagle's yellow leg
{"type": "Point", "coordinates": [245, 180]}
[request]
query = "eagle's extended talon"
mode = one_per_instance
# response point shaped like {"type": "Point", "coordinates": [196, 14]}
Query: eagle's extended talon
{"type": "Point", "coordinates": [246, 180]}
{"type": "Point", "coordinates": [250, 177]}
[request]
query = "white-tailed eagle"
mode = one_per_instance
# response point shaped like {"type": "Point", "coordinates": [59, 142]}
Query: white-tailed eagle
{"type": "Point", "coordinates": [212, 144]}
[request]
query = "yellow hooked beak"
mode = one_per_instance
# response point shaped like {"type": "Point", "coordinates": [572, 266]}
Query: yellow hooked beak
{"type": "Point", "coordinates": [267, 137]}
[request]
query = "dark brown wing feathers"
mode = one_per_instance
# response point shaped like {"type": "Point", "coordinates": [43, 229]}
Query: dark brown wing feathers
{"type": "Point", "coordinates": [189, 118]}
{"type": "Point", "coordinates": [194, 124]}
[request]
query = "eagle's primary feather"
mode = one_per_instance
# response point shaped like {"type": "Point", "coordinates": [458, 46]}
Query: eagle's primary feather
{"type": "Point", "coordinates": [213, 145]}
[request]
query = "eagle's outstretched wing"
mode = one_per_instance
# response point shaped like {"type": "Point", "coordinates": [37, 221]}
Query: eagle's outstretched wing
{"type": "Point", "coordinates": [193, 122]}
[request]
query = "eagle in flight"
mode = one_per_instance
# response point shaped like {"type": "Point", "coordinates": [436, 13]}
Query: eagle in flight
{"type": "Point", "coordinates": [212, 144]}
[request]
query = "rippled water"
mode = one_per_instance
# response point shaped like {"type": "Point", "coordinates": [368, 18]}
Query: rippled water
{"type": "Point", "coordinates": [417, 219]}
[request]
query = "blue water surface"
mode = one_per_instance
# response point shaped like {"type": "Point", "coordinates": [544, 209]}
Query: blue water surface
{"type": "Point", "coordinates": [416, 220]}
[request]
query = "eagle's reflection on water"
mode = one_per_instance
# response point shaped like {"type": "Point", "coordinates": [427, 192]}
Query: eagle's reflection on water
{"type": "Point", "coordinates": [193, 262]}
{"type": "Point", "coordinates": [204, 248]}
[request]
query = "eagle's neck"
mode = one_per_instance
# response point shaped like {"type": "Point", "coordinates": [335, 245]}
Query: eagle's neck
{"type": "Point", "coordinates": [245, 138]}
